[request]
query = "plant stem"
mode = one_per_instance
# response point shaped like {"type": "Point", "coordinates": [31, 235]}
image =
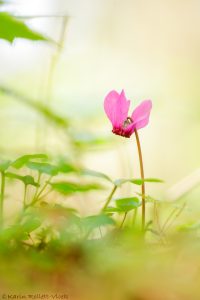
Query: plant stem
{"type": "Point", "coordinates": [109, 198]}
{"type": "Point", "coordinates": [124, 218]}
{"type": "Point", "coordinates": [37, 196]}
{"type": "Point", "coordinates": [142, 177]}
{"type": "Point", "coordinates": [2, 196]}
{"type": "Point", "coordinates": [168, 224]}
{"type": "Point", "coordinates": [37, 188]}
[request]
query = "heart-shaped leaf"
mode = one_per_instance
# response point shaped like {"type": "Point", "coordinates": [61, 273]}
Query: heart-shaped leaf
{"type": "Point", "coordinates": [27, 180]}
{"type": "Point", "coordinates": [127, 204]}
{"type": "Point", "coordinates": [23, 160]}
{"type": "Point", "coordinates": [45, 168]}
{"type": "Point", "coordinates": [66, 188]}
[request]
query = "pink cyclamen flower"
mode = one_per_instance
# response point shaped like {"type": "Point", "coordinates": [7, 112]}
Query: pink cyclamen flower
{"type": "Point", "coordinates": [116, 107]}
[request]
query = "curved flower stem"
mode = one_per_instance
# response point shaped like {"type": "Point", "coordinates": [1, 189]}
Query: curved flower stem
{"type": "Point", "coordinates": [142, 177]}
{"type": "Point", "coordinates": [109, 198]}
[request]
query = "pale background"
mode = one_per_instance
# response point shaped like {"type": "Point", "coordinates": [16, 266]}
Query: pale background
{"type": "Point", "coordinates": [149, 48]}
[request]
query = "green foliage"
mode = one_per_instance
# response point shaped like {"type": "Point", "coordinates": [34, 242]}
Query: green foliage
{"type": "Point", "coordinates": [11, 28]}
{"type": "Point", "coordinates": [27, 179]}
{"type": "Point", "coordinates": [67, 188]}
{"type": "Point", "coordinates": [40, 108]}
{"type": "Point", "coordinates": [4, 165]}
{"type": "Point", "coordinates": [92, 222]}
{"type": "Point", "coordinates": [23, 160]}
{"type": "Point", "coordinates": [43, 168]}
{"type": "Point", "coordinates": [95, 174]}
{"type": "Point", "coordinates": [66, 167]}
{"type": "Point", "coordinates": [137, 181]}
{"type": "Point", "coordinates": [87, 140]}
{"type": "Point", "coordinates": [48, 113]}
{"type": "Point", "coordinates": [127, 204]}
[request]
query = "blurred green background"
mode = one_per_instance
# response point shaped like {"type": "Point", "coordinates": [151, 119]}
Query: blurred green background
{"type": "Point", "coordinates": [149, 48]}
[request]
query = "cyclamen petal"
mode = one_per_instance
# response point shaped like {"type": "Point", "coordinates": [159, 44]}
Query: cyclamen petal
{"type": "Point", "coordinates": [140, 115]}
{"type": "Point", "coordinates": [116, 107]}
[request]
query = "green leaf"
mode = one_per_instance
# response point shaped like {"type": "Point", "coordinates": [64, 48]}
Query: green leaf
{"type": "Point", "coordinates": [111, 209]}
{"type": "Point", "coordinates": [189, 226]}
{"type": "Point", "coordinates": [121, 181]}
{"type": "Point", "coordinates": [95, 174]}
{"type": "Point", "coordinates": [43, 168]}
{"type": "Point", "coordinates": [93, 222]}
{"type": "Point", "coordinates": [87, 139]}
{"type": "Point", "coordinates": [14, 232]}
{"type": "Point", "coordinates": [127, 204]}
{"type": "Point", "coordinates": [67, 188]}
{"type": "Point", "coordinates": [4, 165]}
{"type": "Point", "coordinates": [49, 114]}
{"type": "Point", "coordinates": [27, 180]}
{"type": "Point", "coordinates": [66, 167]}
{"type": "Point", "coordinates": [11, 28]}
{"type": "Point", "coordinates": [31, 224]}
{"type": "Point", "coordinates": [23, 160]}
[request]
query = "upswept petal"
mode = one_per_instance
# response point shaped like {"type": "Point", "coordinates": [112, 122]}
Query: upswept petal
{"type": "Point", "coordinates": [140, 115]}
{"type": "Point", "coordinates": [116, 107]}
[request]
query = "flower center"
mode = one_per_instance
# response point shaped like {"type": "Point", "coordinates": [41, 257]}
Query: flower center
{"type": "Point", "coordinates": [127, 122]}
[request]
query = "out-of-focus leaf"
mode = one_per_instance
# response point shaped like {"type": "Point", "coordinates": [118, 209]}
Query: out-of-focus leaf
{"type": "Point", "coordinates": [48, 114]}
{"type": "Point", "coordinates": [43, 168]}
{"type": "Point", "coordinates": [189, 226]}
{"type": "Point", "coordinates": [66, 167]}
{"type": "Point", "coordinates": [38, 107]}
{"type": "Point", "coordinates": [93, 222]}
{"type": "Point", "coordinates": [127, 204]}
{"type": "Point", "coordinates": [121, 181]}
{"type": "Point", "coordinates": [11, 28]}
{"type": "Point", "coordinates": [67, 188]}
{"type": "Point", "coordinates": [31, 224]}
{"type": "Point", "coordinates": [4, 165]}
{"type": "Point", "coordinates": [150, 199]}
{"type": "Point", "coordinates": [27, 180]}
{"type": "Point", "coordinates": [23, 160]}
{"type": "Point", "coordinates": [68, 210]}
{"type": "Point", "coordinates": [96, 174]}
{"type": "Point", "coordinates": [111, 209]}
{"type": "Point", "coordinates": [87, 139]}
{"type": "Point", "coordinates": [14, 232]}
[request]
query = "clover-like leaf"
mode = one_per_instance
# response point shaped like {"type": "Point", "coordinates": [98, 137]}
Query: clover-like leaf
{"type": "Point", "coordinates": [23, 160]}
{"type": "Point", "coordinates": [92, 222]}
{"type": "Point", "coordinates": [41, 167]}
{"type": "Point", "coordinates": [66, 167]}
{"type": "Point", "coordinates": [136, 181]}
{"type": "Point", "coordinates": [127, 204]}
{"type": "Point", "coordinates": [96, 174]}
{"type": "Point", "coordinates": [4, 165]}
{"type": "Point", "coordinates": [67, 188]}
{"type": "Point", "coordinates": [27, 179]}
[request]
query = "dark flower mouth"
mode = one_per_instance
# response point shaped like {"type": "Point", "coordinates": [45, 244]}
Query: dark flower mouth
{"type": "Point", "coordinates": [127, 122]}
{"type": "Point", "coordinates": [122, 130]}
